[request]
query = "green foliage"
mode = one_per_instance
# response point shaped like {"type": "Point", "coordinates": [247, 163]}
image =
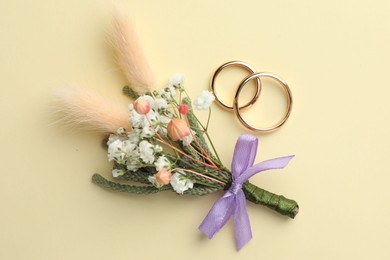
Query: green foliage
{"type": "Point", "coordinates": [141, 176]}
{"type": "Point", "coordinates": [129, 92]}
{"type": "Point", "coordinates": [102, 182]}
{"type": "Point", "coordinates": [201, 190]}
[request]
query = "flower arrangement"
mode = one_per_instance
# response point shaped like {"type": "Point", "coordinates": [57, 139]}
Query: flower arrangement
{"type": "Point", "coordinates": [162, 146]}
{"type": "Point", "coordinates": [166, 148]}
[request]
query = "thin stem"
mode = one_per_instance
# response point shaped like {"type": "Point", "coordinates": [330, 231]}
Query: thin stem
{"type": "Point", "coordinates": [199, 174]}
{"type": "Point", "coordinates": [174, 109]}
{"type": "Point", "coordinates": [201, 154]}
{"type": "Point", "coordinates": [174, 148]}
{"type": "Point", "coordinates": [212, 145]}
{"type": "Point", "coordinates": [206, 156]}
{"type": "Point", "coordinates": [208, 137]}
{"type": "Point", "coordinates": [197, 168]}
{"type": "Point", "coordinates": [208, 120]}
{"type": "Point", "coordinates": [170, 142]}
{"type": "Point", "coordinates": [215, 176]}
{"type": "Point", "coordinates": [185, 91]}
{"type": "Point", "coordinates": [184, 154]}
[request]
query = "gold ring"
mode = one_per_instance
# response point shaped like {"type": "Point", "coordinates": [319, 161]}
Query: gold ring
{"type": "Point", "coordinates": [240, 64]}
{"type": "Point", "coordinates": [257, 76]}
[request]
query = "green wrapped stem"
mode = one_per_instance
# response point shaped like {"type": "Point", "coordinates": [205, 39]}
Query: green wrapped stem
{"type": "Point", "coordinates": [201, 190]}
{"type": "Point", "coordinates": [103, 182]}
{"type": "Point", "coordinates": [119, 187]}
{"type": "Point", "coordinates": [278, 203]}
{"type": "Point", "coordinates": [252, 193]}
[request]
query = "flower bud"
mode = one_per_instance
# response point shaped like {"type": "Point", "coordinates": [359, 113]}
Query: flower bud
{"type": "Point", "coordinates": [141, 106]}
{"type": "Point", "coordinates": [183, 109]}
{"type": "Point", "coordinates": [163, 177]}
{"type": "Point", "coordinates": [177, 129]}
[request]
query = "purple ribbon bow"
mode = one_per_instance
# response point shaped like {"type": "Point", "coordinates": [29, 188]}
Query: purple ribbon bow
{"type": "Point", "coordinates": [233, 202]}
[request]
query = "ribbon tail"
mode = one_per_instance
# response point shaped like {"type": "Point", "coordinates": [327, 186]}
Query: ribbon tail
{"type": "Point", "coordinates": [276, 163]}
{"type": "Point", "coordinates": [242, 226]}
{"type": "Point", "coordinates": [218, 215]}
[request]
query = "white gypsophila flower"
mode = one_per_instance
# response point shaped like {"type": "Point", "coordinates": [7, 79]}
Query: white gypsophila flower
{"type": "Point", "coordinates": [146, 152]}
{"type": "Point", "coordinates": [172, 90]}
{"type": "Point", "coordinates": [137, 120]}
{"type": "Point", "coordinates": [121, 131]}
{"type": "Point", "coordinates": [115, 151]}
{"type": "Point", "coordinates": [122, 150]}
{"type": "Point", "coordinates": [168, 93]}
{"type": "Point", "coordinates": [117, 172]}
{"type": "Point", "coordinates": [133, 164]}
{"type": "Point", "coordinates": [158, 148]}
{"type": "Point", "coordinates": [164, 119]}
{"type": "Point", "coordinates": [162, 163]}
{"type": "Point", "coordinates": [187, 140]}
{"type": "Point", "coordinates": [153, 116]}
{"type": "Point", "coordinates": [161, 125]}
{"type": "Point", "coordinates": [134, 136]}
{"type": "Point", "coordinates": [129, 148]}
{"type": "Point", "coordinates": [180, 183]}
{"type": "Point", "coordinates": [204, 100]}
{"type": "Point", "coordinates": [176, 80]}
{"type": "Point", "coordinates": [146, 132]}
{"type": "Point", "coordinates": [153, 181]}
{"type": "Point", "coordinates": [162, 130]}
{"type": "Point", "coordinates": [112, 138]}
{"type": "Point", "coordinates": [160, 103]}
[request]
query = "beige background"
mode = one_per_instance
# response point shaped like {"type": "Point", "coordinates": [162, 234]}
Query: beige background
{"type": "Point", "coordinates": [334, 55]}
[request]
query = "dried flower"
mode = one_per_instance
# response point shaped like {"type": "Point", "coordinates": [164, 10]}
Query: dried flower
{"type": "Point", "coordinates": [162, 163]}
{"type": "Point", "coordinates": [146, 151]}
{"type": "Point", "coordinates": [117, 172]}
{"type": "Point", "coordinates": [169, 93]}
{"type": "Point", "coordinates": [183, 109]}
{"type": "Point", "coordinates": [119, 150]}
{"type": "Point", "coordinates": [187, 140]}
{"type": "Point", "coordinates": [142, 106]}
{"type": "Point", "coordinates": [82, 108]}
{"type": "Point", "coordinates": [176, 80]}
{"type": "Point", "coordinates": [204, 100]}
{"type": "Point", "coordinates": [160, 103]}
{"type": "Point", "coordinates": [147, 132]}
{"type": "Point", "coordinates": [163, 177]}
{"type": "Point", "coordinates": [180, 183]}
{"type": "Point", "coordinates": [130, 54]}
{"type": "Point", "coordinates": [177, 129]}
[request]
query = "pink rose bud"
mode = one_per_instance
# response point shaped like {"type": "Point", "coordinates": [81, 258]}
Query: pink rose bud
{"type": "Point", "coordinates": [163, 177]}
{"type": "Point", "coordinates": [183, 109]}
{"type": "Point", "coordinates": [177, 129]}
{"type": "Point", "coordinates": [141, 106]}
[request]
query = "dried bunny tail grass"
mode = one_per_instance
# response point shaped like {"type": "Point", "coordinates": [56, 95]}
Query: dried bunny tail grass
{"type": "Point", "coordinates": [81, 108]}
{"type": "Point", "coordinates": [131, 56]}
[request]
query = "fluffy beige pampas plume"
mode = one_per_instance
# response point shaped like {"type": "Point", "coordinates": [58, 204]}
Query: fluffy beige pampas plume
{"type": "Point", "coordinates": [87, 110]}
{"type": "Point", "coordinates": [130, 54]}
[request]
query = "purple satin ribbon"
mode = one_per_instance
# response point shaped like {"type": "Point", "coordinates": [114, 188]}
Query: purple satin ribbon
{"type": "Point", "coordinates": [233, 202]}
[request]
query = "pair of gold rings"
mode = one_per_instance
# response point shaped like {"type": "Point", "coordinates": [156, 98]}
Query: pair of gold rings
{"type": "Point", "coordinates": [257, 76]}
